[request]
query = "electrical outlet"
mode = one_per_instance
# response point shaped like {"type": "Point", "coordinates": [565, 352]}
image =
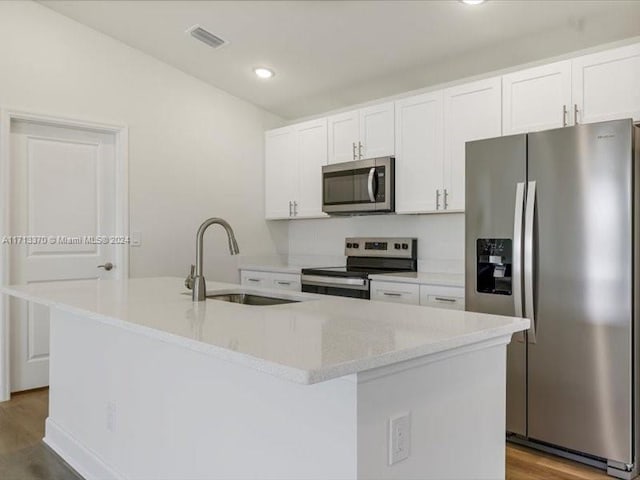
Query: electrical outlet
{"type": "Point", "coordinates": [399, 437]}
{"type": "Point", "coordinates": [136, 238]}
{"type": "Point", "coordinates": [111, 416]}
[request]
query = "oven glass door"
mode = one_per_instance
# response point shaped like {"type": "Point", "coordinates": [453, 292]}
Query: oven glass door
{"type": "Point", "coordinates": [336, 291]}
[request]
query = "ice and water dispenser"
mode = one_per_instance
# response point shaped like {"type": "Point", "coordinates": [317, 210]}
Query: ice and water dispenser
{"type": "Point", "coordinates": [494, 265]}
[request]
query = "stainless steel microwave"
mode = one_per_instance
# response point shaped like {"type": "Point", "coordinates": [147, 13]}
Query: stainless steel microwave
{"type": "Point", "coordinates": [359, 187]}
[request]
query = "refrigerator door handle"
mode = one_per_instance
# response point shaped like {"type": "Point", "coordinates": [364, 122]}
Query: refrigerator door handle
{"type": "Point", "coordinates": [517, 255]}
{"type": "Point", "coordinates": [528, 259]}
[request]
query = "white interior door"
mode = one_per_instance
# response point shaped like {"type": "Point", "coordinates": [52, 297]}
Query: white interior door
{"type": "Point", "coordinates": [62, 226]}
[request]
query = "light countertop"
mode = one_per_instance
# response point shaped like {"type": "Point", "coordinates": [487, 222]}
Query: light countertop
{"type": "Point", "coordinates": [307, 342]}
{"type": "Point", "coordinates": [272, 268]}
{"type": "Point", "coordinates": [425, 278]}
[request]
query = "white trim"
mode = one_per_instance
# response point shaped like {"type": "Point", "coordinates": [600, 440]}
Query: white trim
{"type": "Point", "coordinates": [121, 133]}
{"type": "Point", "coordinates": [80, 458]}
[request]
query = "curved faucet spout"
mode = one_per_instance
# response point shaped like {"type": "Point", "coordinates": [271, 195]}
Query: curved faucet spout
{"type": "Point", "coordinates": [198, 283]}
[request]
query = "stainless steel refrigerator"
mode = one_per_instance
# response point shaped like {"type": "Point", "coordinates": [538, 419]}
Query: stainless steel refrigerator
{"type": "Point", "coordinates": [552, 234]}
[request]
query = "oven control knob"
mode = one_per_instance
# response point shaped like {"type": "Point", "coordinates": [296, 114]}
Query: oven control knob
{"type": "Point", "coordinates": [356, 245]}
{"type": "Point", "coordinates": [396, 246]}
{"type": "Point", "coordinates": [405, 246]}
{"type": "Point", "coordinates": [349, 245]}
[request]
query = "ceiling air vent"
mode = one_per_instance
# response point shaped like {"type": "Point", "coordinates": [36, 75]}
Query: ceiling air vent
{"type": "Point", "coordinates": [206, 37]}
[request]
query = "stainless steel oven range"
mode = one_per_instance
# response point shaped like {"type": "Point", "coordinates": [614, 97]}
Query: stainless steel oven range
{"type": "Point", "coordinates": [365, 256]}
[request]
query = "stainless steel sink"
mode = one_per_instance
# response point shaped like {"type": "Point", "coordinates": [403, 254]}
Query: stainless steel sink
{"type": "Point", "coordinates": [250, 299]}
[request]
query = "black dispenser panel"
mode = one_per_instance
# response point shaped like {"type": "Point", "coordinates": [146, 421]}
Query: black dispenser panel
{"type": "Point", "coordinates": [494, 265]}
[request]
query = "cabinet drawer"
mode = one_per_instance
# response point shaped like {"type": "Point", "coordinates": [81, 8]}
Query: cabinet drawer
{"type": "Point", "coordinates": [286, 281]}
{"type": "Point", "coordinates": [442, 297]}
{"type": "Point", "coordinates": [396, 292]}
{"type": "Point", "coordinates": [255, 279]}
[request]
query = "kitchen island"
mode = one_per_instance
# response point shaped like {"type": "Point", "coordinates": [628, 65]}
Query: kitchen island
{"type": "Point", "coordinates": [147, 384]}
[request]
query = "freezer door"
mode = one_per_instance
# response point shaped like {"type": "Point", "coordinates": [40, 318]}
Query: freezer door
{"type": "Point", "coordinates": [580, 376]}
{"type": "Point", "coordinates": [494, 193]}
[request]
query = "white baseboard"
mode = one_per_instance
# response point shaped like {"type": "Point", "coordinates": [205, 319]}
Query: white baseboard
{"type": "Point", "coordinates": [83, 460]}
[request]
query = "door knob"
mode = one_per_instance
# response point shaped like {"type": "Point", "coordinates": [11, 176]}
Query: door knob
{"type": "Point", "coordinates": [107, 266]}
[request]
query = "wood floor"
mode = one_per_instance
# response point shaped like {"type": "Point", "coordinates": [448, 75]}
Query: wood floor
{"type": "Point", "coordinates": [23, 456]}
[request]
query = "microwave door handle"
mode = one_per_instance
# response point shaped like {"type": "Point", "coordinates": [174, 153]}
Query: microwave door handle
{"type": "Point", "coordinates": [372, 174]}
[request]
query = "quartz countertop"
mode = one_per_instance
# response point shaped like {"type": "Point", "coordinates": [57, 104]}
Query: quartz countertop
{"type": "Point", "coordinates": [272, 268]}
{"type": "Point", "coordinates": [442, 279]}
{"type": "Point", "coordinates": [315, 340]}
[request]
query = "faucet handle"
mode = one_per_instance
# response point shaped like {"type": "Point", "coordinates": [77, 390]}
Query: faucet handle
{"type": "Point", "coordinates": [188, 282]}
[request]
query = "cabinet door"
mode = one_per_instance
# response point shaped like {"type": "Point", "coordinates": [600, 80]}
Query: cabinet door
{"type": "Point", "coordinates": [343, 136]}
{"type": "Point", "coordinates": [537, 98]}
{"type": "Point", "coordinates": [471, 112]}
{"type": "Point", "coordinates": [286, 281]}
{"type": "Point", "coordinates": [407, 293]}
{"type": "Point", "coordinates": [419, 152]}
{"type": "Point", "coordinates": [250, 278]}
{"type": "Point", "coordinates": [377, 137]}
{"type": "Point", "coordinates": [312, 155]}
{"type": "Point", "coordinates": [281, 172]}
{"type": "Point", "coordinates": [451, 298]}
{"type": "Point", "coordinates": [606, 85]}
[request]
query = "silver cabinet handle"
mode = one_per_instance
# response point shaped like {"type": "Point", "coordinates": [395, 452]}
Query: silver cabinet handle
{"type": "Point", "coordinates": [359, 150]}
{"type": "Point", "coordinates": [438, 199]}
{"type": "Point", "coordinates": [295, 209]}
{"type": "Point", "coordinates": [446, 199]}
{"type": "Point", "coordinates": [564, 115]}
{"type": "Point", "coordinates": [445, 299]}
{"type": "Point", "coordinates": [372, 173]}
{"type": "Point", "coordinates": [290, 209]}
{"type": "Point", "coordinates": [575, 113]}
{"type": "Point", "coordinates": [253, 279]}
{"type": "Point", "coordinates": [528, 260]}
{"type": "Point", "coordinates": [353, 144]}
{"type": "Point", "coordinates": [280, 282]}
{"type": "Point", "coordinates": [107, 266]}
{"type": "Point", "coordinates": [390, 294]}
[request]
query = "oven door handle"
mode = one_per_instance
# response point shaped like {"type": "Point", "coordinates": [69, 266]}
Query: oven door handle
{"type": "Point", "coordinates": [338, 282]}
{"type": "Point", "coordinates": [372, 193]}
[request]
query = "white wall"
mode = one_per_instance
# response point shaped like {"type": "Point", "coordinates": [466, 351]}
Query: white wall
{"type": "Point", "coordinates": [440, 237]}
{"type": "Point", "coordinates": [195, 151]}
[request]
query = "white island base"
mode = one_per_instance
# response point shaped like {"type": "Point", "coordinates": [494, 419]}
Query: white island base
{"type": "Point", "coordinates": [125, 405]}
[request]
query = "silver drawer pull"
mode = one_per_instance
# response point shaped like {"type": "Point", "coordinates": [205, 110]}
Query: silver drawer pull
{"type": "Point", "coordinates": [443, 299]}
{"type": "Point", "coordinates": [283, 283]}
{"type": "Point", "coordinates": [389, 294]}
{"type": "Point", "coordinates": [253, 279]}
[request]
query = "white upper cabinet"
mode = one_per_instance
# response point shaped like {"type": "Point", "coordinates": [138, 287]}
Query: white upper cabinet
{"type": "Point", "coordinates": [419, 153]}
{"type": "Point", "coordinates": [471, 112]}
{"type": "Point", "coordinates": [312, 156]}
{"type": "Point", "coordinates": [344, 132]}
{"type": "Point", "coordinates": [606, 85]}
{"type": "Point", "coordinates": [360, 134]}
{"type": "Point", "coordinates": [377, 131]}
{"type": "Point", "coordinates": [281, 172]}
{"type": "Point", "coordinates": [537, 98]}
{"type": "Point", "coordinates": [294, 157]}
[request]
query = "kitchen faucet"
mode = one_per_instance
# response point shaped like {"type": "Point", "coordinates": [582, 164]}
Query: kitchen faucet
{"type": "Point", "coordinates": [195, 281]}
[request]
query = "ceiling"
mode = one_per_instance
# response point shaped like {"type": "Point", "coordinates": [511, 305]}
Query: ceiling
{"type": "Point", "coordinates": [331, 54]}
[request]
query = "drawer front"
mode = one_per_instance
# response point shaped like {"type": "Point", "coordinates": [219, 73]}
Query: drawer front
{"type": "Point", "coordinates": [286, 281]}
{"type": "Point", "coordinates": [442, 297]}
{"type": "Point", "coordinates": [255, 279]}
{"type": "Point", "coordinates": [396, 292]}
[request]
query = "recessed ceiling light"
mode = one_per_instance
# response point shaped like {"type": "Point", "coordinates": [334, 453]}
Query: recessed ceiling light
{"type": "Point", "coordinates": [262, 72]}
{"type": "Point", "coordinates": [472, 2]}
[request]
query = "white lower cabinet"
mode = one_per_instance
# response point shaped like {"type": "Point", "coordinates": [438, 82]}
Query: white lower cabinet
{"type": "Point", "coordinates": [396, 292]}
{"type": "Point", "coordinates": [415, 294]}
{"type": "Point", "coordinates": [442, 297]}
{"type": "Point", "coordinates": [274, 280]}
